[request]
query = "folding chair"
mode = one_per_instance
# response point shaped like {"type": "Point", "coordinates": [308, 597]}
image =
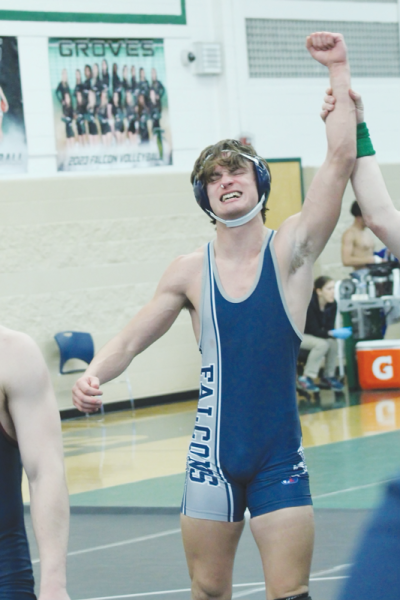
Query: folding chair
{"type": "Point", "coordinates": [79, 344]}
{"type": "Point", "coordinates": [74, 344]}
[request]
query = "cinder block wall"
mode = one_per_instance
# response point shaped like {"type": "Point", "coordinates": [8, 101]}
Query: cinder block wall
{"type": "Point", "coordinates": [86, 253]}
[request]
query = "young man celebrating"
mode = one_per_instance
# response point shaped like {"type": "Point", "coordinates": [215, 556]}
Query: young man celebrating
{"type": "Point", "coordinates": [248, 293]}
{"type": "Point", "coordinates": [30, 429]}
{"type": "Point", "coordinates": [375, 573]}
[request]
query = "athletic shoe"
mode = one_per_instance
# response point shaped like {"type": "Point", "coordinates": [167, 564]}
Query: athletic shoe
{"type": "Point", "coordinates": [332, 383]}
{"type": "Point", "coordinates": [307, 384]}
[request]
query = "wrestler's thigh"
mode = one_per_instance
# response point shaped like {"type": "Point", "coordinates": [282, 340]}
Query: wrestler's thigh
{"type": "Point", "coordinates": [285, 539]}
{"type": "Point", "coordinates": [210, 548]}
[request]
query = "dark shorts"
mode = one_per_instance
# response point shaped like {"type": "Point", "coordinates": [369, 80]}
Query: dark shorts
{"type": "Point", "coordinates": [119, 125]}
{"type": "Point", "coordinates": [80, 125]}
{"type": "Point", "coordinates": [69, 130]}
{"type": "Point", "coordinates": [105, 128]}
{"type": "Point", "coordinates": [93, 128]}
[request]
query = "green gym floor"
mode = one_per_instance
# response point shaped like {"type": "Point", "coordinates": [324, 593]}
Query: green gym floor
{"type": "Point", "coordinates": [125, 474]}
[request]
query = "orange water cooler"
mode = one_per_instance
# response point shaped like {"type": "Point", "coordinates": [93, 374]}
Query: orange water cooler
{"type": "Point", "coordinates": [378, 364]}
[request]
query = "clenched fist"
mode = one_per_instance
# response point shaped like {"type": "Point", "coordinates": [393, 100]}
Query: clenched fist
{"type": "Point", "coordinates": [327, 48]}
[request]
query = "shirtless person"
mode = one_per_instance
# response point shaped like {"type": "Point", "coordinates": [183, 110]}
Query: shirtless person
{"type": "Point", "coordinates": [376, 570]}
{"type": "Point", "coordinates": [357, 242]}
{"type": "Point", "coordinates": [30, 429]}
{"type": "Point", "coordinates": [247, 293]}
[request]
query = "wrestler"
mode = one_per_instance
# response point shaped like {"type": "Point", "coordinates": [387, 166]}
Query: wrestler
{"type": "Point", "coordinates": [247, 293]}
{"type": "Point", "coordinates": [30, 431]}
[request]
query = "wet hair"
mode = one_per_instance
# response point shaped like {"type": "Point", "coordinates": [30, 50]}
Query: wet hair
{"type": "Point", "coordinates": [321, 281]}
{"type": "Point", "coordinates": [355, 209]}
{"type": "Point", "coordinates": [224, 154]}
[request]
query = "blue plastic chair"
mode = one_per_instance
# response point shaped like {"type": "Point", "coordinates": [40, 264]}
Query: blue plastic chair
{"type": "Point", "coordinates": [74, 344]}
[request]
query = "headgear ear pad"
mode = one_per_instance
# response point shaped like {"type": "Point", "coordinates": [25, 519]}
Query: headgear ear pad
{"type": "Point", "coordinates": [263, 180]}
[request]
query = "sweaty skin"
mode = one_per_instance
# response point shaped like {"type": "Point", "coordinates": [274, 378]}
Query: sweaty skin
{"type": "Point", "coordinates": [29, 415]}
{"type": "Point", "coordinates": [210, 546]}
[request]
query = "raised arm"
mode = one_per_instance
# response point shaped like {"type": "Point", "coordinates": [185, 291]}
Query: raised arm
{"type": "Point", "coordinates": [35, 415]}
{"type": "Point", "coordinates": [377, 208]}
{"type": "Point", "coordinates": [150, 323]}
{"type": "Point", "coordinates": [308, 232]}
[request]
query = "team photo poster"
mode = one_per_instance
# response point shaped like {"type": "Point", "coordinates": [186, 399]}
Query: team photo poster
{"type": "Point", "coordinates": [110, 104]}
{"type": "Point", "coordinates": [13, 147]}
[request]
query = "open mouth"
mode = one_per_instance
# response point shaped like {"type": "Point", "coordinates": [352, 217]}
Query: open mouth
{"type": "Point", "coordinates": [230, 196]}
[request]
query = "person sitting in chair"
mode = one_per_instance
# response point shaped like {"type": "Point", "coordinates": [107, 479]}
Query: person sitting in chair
{"type": "Point", "coordinates": [318, 337]}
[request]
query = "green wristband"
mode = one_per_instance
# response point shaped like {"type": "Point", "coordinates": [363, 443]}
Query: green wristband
{"type": "Point", "coordinates": [364, 144]}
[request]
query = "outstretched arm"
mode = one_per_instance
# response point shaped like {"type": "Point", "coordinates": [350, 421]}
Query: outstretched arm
{"type": "Point", "coordinates": [145, 328]}
{"type": "Point", "coordinates": [35, 415]}
{"type": "Point", "coordinates": [308, 232]}
{"type": "Point", "coordinates": [377, 208]}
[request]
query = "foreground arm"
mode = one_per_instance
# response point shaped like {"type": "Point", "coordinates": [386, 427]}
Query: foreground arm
{"type": "Point", "coordinates": [145, 328]}
{"type": "Point", "coordinates": [378, 210]}
{"type": "Point", "coordinates": [35, 415]}
{"type": "Point", "coordinates": [308, 232]}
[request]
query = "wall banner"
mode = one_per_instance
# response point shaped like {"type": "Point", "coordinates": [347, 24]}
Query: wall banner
{"type": "Point", "coordinates": [13, 147]}
{"type": "Point", "coordinates": [110, 104]}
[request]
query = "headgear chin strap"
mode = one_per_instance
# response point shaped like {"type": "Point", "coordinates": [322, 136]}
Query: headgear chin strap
{"type": "Point", "coordinates": [263, 180]}
{"type": "Point", "coordinates": [240, 220]}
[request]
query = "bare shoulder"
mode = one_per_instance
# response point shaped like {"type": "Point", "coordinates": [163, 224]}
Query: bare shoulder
{"type": "Point", "coordinates": [13, 342]}
{"type": "Point", "coordinates": [189, 262]}
{"type": "Point", "coordinates": [20, 358]}
{"type": "Point", "coordinates": [184, 269]}
{"type": "Point", "coordinates": [349, 238]}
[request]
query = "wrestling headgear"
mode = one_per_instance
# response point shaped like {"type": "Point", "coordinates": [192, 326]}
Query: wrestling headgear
{"type": "Point", "coordinates": [263, 180]}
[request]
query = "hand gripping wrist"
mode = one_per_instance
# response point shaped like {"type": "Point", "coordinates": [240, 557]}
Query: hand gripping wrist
{"type": "Point", "coordinates": [364, 144]}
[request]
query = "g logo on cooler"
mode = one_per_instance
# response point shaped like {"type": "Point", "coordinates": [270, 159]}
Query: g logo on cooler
{"type": "Point", "coordinates": [382, 368]}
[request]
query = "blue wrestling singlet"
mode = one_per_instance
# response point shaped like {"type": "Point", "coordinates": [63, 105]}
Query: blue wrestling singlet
{"type": "Point", "coordinates": [16, 577]}
{"type": "Point", "coordinates": [246, 446]}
